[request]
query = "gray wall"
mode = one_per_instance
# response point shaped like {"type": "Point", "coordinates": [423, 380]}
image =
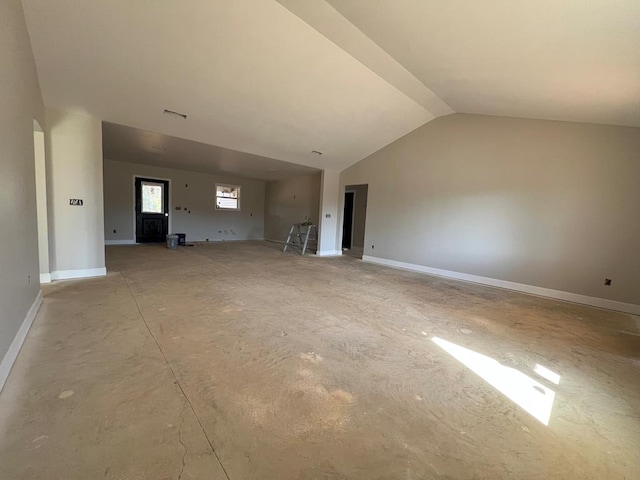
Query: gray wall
{"type": "Point", "coordinates": [359, 215]}
{"type": "Point", "coordinates": [21, 103]}
{"type": "Point", "coordinates": [203, 222]}
{"type": "Point", "coordinates": [543, 203]}
{"type": "Point", "coordinates": [290, 201]}
{"type": "Point", "coordinates": [74, 161]}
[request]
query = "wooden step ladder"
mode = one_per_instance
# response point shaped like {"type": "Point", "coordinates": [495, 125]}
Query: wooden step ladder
{"type": "Point", "coordinates": [304, 236]}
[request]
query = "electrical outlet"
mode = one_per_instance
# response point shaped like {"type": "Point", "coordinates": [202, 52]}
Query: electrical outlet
{"type": "Point", "coordinates": [607, 282]}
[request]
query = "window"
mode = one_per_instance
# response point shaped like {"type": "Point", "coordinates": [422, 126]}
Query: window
{"type": "Point", "coordinates": [227, 197]}
{"type": "Point", "coordinates": [152, 196]}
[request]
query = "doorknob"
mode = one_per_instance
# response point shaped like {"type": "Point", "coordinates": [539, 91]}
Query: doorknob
{"type": "Point", "coordinates": [166, 214]}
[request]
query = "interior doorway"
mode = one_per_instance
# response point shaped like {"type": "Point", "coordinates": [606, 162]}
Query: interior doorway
{"type": "Point", "coordinates": [347, 224]}
{"type": "Point", "coordinates": [152, 210]}
{"type": "Point", "coordinates": [354, 220]}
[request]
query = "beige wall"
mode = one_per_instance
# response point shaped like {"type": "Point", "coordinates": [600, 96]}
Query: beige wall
{"type": "Point", "coordinates": [204, 221]}
{"type": "Point", "coordinates": [329, 228]}
{"type": "Point", "coordinates": [290, 201]}
{"type": "Point", "coordinates": [20, 103]}
{"type": "Point", "coordinates": [543, 203]}
{"type": "Point", "coordinates": [74, 161]}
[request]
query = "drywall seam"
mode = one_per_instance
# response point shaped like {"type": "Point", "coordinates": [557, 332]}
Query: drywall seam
{"type": "Point", "coordinates": [84, 273]}
{"type": "Point", "coordinates": [519, 287]}
{"type": "Point", "coordinates": [45, 278]}
{"type": "Point", "coordinates": [14, 349]}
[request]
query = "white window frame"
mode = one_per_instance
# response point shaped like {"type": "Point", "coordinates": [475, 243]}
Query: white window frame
{"type": "Point", "coordinates": [224, 209]}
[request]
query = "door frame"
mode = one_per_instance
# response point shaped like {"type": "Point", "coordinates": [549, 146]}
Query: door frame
{"type": "Point", "coordinates": [133, 184]}
{"type": "Point", "coordinates": [353, 217]}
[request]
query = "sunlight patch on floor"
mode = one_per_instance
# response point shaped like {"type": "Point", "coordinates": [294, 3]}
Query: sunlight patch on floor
{"type": "Point", "coordinates": [544, 372]}
{"type": "Point", "coordinates": [532, 396]}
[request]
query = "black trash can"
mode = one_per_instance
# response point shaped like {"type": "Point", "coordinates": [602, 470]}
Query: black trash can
{"type": "Point", "coordinates": [182, 238]}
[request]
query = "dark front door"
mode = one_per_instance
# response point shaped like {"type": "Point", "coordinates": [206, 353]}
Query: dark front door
{"type": "Point", "coordinates": [347, 225]}
{"type": "Point", "coordinates": [152, 210]}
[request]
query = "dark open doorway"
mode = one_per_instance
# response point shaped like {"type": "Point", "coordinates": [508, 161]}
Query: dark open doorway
{"type": "Point", "coordinates": [152, 210]}
{"type": "Point", "coordinates": [354, 219]}
{"type": "Point", "coordinates": [347, 224]}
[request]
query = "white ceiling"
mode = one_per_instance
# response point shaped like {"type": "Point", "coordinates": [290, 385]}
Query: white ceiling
{"type": "Point", "coordinates": [279, 79]}
{"type": "Point", "coordinates": [133, 145]}
{"type": "Point", "coordinates": [573, 60]}
{"type": "Point", "coordinates": [250, 75]}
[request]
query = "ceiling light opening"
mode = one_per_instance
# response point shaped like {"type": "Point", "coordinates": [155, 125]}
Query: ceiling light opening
{"type": "Point", "coordinates": [175, 114]}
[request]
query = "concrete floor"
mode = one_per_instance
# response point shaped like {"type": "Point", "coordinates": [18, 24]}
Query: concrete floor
{"type": "Point", "coordinates": [235, 361]}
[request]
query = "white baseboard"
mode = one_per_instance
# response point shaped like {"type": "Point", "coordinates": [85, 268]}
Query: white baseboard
{"type": "Point", "coordinates": [120, 242]}
{"type": "Point", "coordinates": [45, 278]}
{"type": "Point", "coordinates": [221, 240]}
{"type": "Point", "coordinates": [329, 253]}
{"type": "Point", "coordinates": [11, 355]}
{"type": "Point", "coordinates": [519, 287]}
{"type": "Point", "coordinates": [84, 273]}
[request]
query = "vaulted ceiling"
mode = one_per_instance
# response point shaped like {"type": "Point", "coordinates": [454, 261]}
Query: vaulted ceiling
{"type": "Point", "coordinates": [279, 79]}
{"type": "Point", "coordinates": [576, 60]}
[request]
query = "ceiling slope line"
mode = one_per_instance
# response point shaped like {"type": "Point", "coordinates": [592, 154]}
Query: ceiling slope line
{"type": "Point", "coordinates": [326, 20]}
